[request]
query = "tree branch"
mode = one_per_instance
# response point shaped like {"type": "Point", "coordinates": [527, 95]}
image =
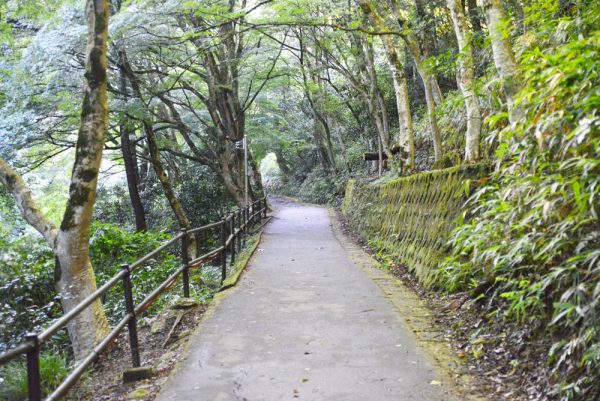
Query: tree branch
{"type": "Point", "coordinates": [34, 216]}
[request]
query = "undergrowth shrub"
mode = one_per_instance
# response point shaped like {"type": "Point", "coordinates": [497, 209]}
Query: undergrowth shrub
{"type": "Point", "coordinates": [29, 299]}
{"type": "Point", "coordinates": [318, 187]}
{"type": "Point", "coordinates": [111, 246]}
{"type": "Point", "coordinates": [530, 245]}
{"type": "Point", "coordinates": [13, 377]}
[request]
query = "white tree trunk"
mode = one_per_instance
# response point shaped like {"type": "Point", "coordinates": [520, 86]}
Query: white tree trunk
{"type": "Point", "coordinates": [432, 90]}
{"type": "Point", "coordinates": [406, 132]}
{"type": "Point", "coordinates": [504, 58]}
{"type": "Point", "coordinates": [465, 75]}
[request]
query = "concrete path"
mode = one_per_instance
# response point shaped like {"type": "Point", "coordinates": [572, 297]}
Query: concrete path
{"type": "Point", "coordinates": [304, 323]}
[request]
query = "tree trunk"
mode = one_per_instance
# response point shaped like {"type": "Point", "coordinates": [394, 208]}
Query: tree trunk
{"type": "Point", "coordinates": [380, 159]}
{"type": "Point", "coordinates": [163, 177]}
{"type": "Point", "coordinates": [465, 75]}
{"type": "Point", "coordinates": [70, 242]}
{"type": "Point", "coordinates": [130, 162]}
{"type": "Point", "coordinates": [340, 139]}
{"type": "Point", "coordinates": [129, 159]}
{"type": "Point", "coordinates": [429, 81]}
{"type": "Point", "coordinates": [157, 163]}
{"type": "Point", "coordinates": [504, 58]}
{"type": "Point", "coordinates": [76, 278]}
{"type": "Point", "coordinates": [374, 103]}
{"type": "Point", "coordinates": [406, 134]}
{"type": "Point", "coordinates": [427, 45]}
{"type": "Point", "coordinates": [430, 100]}
{"type": "Point", "coordinates": [474, 16]}
{"type": "Point", "coordinates": [321, 132]}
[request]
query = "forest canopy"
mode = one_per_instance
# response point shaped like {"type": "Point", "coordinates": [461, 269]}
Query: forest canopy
{"type": "Point", "coordinates": [123, 121]}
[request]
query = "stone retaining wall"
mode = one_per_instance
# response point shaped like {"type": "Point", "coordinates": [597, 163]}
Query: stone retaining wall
{"type": "Point", "coordinates": [410, 218]}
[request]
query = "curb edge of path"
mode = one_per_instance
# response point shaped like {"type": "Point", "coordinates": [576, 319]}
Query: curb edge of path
{"type": "Point", "coordinates": [416, 315]}
{"type": "Point", "coordinates": [241, 264]}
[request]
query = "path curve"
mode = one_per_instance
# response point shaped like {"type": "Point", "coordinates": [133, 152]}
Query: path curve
{"type": "Point", "coordinates": [304, 323]}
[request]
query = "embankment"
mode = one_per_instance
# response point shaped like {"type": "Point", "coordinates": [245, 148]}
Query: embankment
{"type": "Point", "coordinates": [410, 218]}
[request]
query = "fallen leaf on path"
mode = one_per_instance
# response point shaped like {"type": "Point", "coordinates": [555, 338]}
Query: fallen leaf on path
{"type": "Point", "coordinates": [436, 383]}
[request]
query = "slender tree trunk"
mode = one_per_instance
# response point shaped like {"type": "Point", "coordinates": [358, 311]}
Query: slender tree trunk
{"type": "Point", "coordinates": [340, 139]}
{"type": "Point", "coordinates": [321, 97]}
{"type": "Point", "coordinates": [429, 81]}
{"type": "Point", "coordinates": [406, 134]}
{"type": "Point", "coordinates": [465, 74]}
{"type": "Point", "coordinates": [380, 160]}
{"type": "Point", "coordinates": [163, 177]}
{"type": "Point", "coordinates": [504, 58]}
{"type": "Point", "coordinates": [406, 137]}
{"type": "Point", "coordinates": [474, 16]}
{"type": "Point", "coordinates": [322, 151]}
{"type": "Point", "coordinates": [429, 99]}
{"type": "Point", "coordinates": [128, 151]}
{"type": "Point", "coordinates": [157, 164]}
{"type": "Point", "coordinates": [427, 45]}
{"type": "Point", "coordinates": [143, 168]}
{"type": "Point", "coordinates": [129, 160]}
{"type": "Point", "coordinates": [374, 104]}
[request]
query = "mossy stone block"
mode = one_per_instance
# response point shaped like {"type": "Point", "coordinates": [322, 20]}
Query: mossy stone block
{"type": "Point", "coordinates": [131, 375]}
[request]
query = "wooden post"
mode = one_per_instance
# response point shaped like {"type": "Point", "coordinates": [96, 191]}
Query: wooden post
{"type": "Point", "coordinates": [34, 381]}
{"type": "Point", "coordinates": [245, 224]}
{"type": "Point", "coordinates": [232, 230]}
{"type": "Point", "coordinates": [239, 235]}
{"type": "Point", "coordinates": [185, 260]}
{"type": "Point", "coordinates": [132, 323]}
{"type": "Point", "coordinates": [223, 233]}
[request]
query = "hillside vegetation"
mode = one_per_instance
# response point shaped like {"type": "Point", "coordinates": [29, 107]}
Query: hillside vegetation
{"type": "Point", "coordinates": [122, 122]}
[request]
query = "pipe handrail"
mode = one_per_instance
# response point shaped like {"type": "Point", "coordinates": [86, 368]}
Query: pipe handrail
{"type": "Point", "coordinates": [155, 252]}
{"type": "Point", "coordinates": [64, 320]}
{"type": "Point", "coordinates": [207, 255]}
{"type": "Point", "coordinates": [31, 347]}
{"type": "Point", "coordinates": [204, 228]}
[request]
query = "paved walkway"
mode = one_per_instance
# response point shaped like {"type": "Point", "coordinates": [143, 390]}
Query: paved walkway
{"type": "Point", "coordinates": [304, 323]}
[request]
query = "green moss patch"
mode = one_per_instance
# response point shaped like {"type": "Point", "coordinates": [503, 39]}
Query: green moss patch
{"type": "Point", "coordinates": [410, 218]}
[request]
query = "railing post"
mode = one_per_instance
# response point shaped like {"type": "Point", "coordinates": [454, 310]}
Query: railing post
{"type": "Point", "coordinates": [34, 381]}
{"type": "Point", "coordinates": [265, 207]}
{"type": "Point", "coordinates": [232, 231]}
{"type": "Point", "coordinates": [224, 251]}
{"type": "Point", "coordinates": [245, 224]}
{"type": "Point", "coordinates": [132, 323]}
{"type": "Point", "coordinates": [248, 208]}
{"type": "Point", "coordinates": [185, 260]}
{"type": "Point", "coordinates": [239, 236]}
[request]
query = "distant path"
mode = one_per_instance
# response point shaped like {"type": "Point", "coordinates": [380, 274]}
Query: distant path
{"type": "Point", "coordinates": [304, 323]}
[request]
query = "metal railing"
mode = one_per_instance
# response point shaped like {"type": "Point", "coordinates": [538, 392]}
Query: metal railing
{"type": "Point", "coordinates": [232, 231]}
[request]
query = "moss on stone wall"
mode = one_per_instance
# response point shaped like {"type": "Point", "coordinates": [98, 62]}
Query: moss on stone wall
{"type": "Point", "coordinates": [410, 218]}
